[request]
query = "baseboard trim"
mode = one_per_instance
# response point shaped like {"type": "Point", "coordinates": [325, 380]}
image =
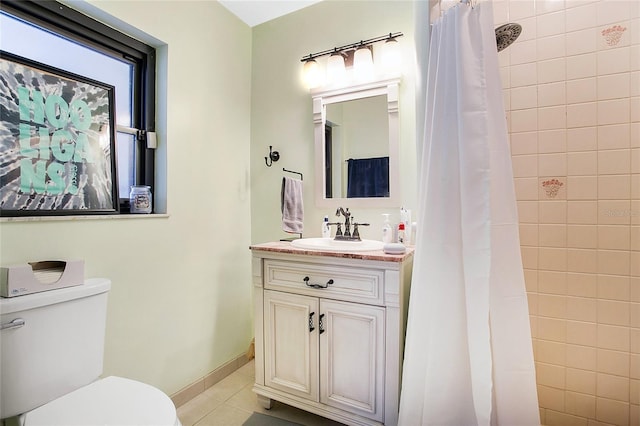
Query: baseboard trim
{"type": "Point", "coordinates": [191, 391]}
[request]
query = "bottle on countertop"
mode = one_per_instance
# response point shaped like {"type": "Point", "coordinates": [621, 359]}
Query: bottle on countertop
{"type": "Point", "coordinates": [326, 231]}
{"type": "Point", "coordinates": [387, 232]}
{"type": "Point", "coordinates": [405, 217]}
{"type": "Point", "coordinates": [401, 233]}
{"type": "Point", "coordinates": [414, 232]}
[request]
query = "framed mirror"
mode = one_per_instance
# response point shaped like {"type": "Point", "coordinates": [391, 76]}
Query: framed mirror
{"type": "Point", "coordinates": [356, 145]}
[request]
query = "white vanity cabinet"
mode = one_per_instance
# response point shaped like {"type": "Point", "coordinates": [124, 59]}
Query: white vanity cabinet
{"type": "Point", "coordinates": [329, 331]}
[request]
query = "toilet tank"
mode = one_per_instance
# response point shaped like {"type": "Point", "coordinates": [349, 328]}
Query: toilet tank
{"type": "Point", "coordinates": [59, 347]}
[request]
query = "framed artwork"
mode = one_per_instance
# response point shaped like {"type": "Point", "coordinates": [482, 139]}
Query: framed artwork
{"type": "Point", "coordinates": [57, 141]}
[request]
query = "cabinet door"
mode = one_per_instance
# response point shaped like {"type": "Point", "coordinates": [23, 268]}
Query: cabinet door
{"type": "Point", "coordinates": [352, 357]}
{"type": "Point", "coordinates": [291, 343]}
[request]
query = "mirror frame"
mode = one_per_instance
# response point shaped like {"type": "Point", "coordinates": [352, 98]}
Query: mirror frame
{"type": "Point", "coordinates": [322, 98]}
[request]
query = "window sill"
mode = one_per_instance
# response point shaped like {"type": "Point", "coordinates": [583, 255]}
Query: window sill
{"type": "Point", "coordinates": [85, 217]}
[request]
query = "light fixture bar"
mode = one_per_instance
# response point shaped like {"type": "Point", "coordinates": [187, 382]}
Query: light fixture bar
{"type": "Point", "coordinates": [351, 46]}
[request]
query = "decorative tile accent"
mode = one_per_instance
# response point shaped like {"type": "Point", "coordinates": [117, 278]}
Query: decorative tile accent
{"type": "Point", "coordinates": [553, 188]}
{"type": "Point", "coordinates": [613, 34]}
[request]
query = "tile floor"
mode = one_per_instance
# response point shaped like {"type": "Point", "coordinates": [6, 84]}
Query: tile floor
{"type": "Point", "coordinates": [231, 401]}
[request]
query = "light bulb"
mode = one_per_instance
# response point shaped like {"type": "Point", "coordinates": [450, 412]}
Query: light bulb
{"type": "Point", "coordinates": [390, 56]}
{"type": "Point", "coordinates": [363, 64]}
{"type": "Point", "coordinates": [336, 70]}
{"type": "Point", "coordinates": [311, 73]}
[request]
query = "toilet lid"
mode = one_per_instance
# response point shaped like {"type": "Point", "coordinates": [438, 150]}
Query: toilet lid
{"type": "Point", "coordinates": [109, 401]}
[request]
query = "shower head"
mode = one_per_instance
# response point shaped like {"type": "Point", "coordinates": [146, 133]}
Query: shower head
{"type": "Point", "coordinates": [507, 34]}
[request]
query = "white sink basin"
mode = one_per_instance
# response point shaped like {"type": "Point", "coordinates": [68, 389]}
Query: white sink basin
{"type": "Point", "coordinates": [329, 244]}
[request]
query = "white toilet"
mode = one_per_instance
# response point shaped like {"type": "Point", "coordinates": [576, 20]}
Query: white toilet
{"type": "Point", "coordinates": [51, 353]}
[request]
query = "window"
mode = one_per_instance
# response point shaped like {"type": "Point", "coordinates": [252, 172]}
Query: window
{"type": "Point", "coordinates": [56, 35]}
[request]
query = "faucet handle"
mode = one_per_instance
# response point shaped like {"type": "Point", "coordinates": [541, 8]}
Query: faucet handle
{"type": "Point", "coordinates": [356, 233]}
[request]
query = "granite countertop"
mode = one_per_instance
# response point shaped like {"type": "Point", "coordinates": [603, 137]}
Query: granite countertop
{"type": "Point", "coordinates": [286, 247]}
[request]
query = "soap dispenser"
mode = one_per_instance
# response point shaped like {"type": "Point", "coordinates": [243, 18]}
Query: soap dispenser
{"type": "Point", "coordinates": [387, 232]}
{"type": "Point", "coordinates": [326, 231]}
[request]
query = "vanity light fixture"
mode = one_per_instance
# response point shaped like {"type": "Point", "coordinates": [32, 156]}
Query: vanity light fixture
{"type": "Point", "coordinates": [358, 54]}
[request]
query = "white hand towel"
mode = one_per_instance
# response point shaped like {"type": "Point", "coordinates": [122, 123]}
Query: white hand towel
{"type": "Point", "coordinates": [291, 204]}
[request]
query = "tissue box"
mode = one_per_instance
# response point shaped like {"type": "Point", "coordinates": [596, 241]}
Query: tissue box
{"type": "Point", "coordinates": [34, 277]}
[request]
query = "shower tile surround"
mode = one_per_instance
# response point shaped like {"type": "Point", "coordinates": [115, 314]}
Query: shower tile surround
{"type": "Point", "coordinates": [572, 93]}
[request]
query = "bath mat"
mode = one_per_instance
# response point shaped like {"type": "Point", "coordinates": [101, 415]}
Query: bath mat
{"type": "Point", "coordinates": [258, 419]}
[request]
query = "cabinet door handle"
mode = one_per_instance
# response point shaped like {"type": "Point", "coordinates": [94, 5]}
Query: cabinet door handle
{"type": "Point", "coordinates": [321, 323]}
{"type": "Point", "coordinates": [306, 281]}
{"type": "Point", "coordinates": [311, 327]}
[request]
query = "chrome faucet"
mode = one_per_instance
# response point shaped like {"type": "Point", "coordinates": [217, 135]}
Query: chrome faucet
{"type": "Point", "coordinates": [347, 225]}
{"type": "Point", "coordinates": [347, 235]}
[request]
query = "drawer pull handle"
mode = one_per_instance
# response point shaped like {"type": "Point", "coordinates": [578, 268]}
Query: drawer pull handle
{"type": "Point", "coordinates": [311, 327]}
{"type": "Point", "coordinates": [16, 323]}
{"type": "Point", "coordinates": [306, 281]}
{"type": "Point", "coordinates": [321, 323]}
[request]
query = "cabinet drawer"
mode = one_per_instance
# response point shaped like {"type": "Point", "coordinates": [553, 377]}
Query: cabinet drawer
{"type": "Point", "coordinates": [343, 283]}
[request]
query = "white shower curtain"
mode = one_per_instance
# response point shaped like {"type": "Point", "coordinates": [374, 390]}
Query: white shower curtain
{"type": "Point", "coordinates": [468, 354]}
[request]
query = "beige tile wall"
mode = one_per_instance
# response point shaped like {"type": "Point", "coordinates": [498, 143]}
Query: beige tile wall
{"type": "Point", "coordinates": [572, 93]}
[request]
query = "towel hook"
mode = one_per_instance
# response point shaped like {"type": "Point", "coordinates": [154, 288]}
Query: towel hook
{"type": "Point", "coordinates": [273, 157]}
